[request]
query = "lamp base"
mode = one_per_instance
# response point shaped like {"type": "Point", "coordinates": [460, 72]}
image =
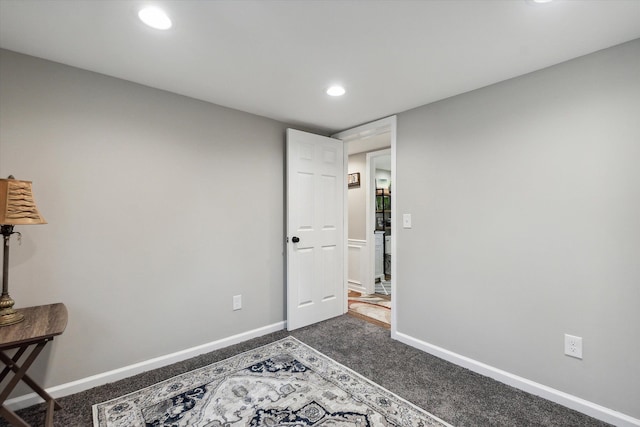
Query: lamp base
{"type": "Point", "coordinates": [9, 316]}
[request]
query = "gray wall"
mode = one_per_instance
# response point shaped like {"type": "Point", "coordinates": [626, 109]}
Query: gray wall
{"type": "Point", "coordinates": [357, 198]}
{"type": "Point", "coordinates": [160, 208]}
{"type": "Point", "coordinates": [525, 198]}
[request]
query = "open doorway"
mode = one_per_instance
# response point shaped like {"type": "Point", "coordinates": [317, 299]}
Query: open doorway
{"type": "Point", "coordinates": [379, 163]}
{"type": "Point", "coordinates": [370, 221]}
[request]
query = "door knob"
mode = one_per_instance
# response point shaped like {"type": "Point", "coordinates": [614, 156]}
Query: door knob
{"type": "Point", "coordinates": [295, 239]}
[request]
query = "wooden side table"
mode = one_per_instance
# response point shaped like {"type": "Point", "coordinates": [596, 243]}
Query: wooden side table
{"type": "Point", "coordinates": [41, 324]}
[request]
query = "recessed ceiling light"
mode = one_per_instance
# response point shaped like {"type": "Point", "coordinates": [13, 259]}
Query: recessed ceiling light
{"type": "Point", "coordinates": [541, 1]}
{"type": "Point", "coordinates": [336, 91]}
{"type": "Point", "coordinates": [155, 18]}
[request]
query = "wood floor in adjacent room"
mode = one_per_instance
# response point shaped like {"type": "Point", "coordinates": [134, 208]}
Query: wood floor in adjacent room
{"type": "Point", "coordinates": [374, 308]}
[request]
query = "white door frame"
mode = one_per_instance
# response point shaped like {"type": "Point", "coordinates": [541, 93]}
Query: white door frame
{"type": "Point", "coordinates": [388, 124]}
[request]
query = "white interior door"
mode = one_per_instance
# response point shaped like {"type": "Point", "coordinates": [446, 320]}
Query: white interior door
{"type": "Point", "coordinates": [315, 228]}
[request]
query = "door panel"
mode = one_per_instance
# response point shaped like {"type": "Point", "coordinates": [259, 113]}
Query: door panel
{"type": "Point", "coordinates": [315, 216]}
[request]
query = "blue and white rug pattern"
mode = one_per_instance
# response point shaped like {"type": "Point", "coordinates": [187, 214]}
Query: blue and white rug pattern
{"type": "Point", "coordinates": [285, 383]}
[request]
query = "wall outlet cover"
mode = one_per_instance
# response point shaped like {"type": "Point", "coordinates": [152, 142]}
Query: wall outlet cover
{"type": "Point", "coordinates": [573, 346]}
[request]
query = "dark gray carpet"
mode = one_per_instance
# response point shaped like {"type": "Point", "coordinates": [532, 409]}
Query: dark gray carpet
{"type": "Point", "coordinates": [455, 394]}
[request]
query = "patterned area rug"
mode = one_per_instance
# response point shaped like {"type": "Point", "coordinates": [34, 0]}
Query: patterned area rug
{"type": "Point", "coordinates": [286, 383]}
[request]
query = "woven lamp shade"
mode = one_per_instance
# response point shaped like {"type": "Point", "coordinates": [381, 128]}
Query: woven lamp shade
{"type": "Point", "coordinates": [17, 206]}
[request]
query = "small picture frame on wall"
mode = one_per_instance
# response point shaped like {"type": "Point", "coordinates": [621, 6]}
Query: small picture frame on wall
{"type": "Point", "coordinates": [354, 180]}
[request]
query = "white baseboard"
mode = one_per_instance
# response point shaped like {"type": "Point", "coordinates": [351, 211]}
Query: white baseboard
{"type": "Point", "coordinates": [565, 399]}
{"type": "Point", "coordinates": [137, 368]}
{"type": "Point", "coordinates": [357, 288]}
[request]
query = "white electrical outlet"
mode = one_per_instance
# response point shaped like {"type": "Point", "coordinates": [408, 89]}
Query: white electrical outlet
{"type": "Point", "coordinates": [573, 346]}
{"type": "Point", "coordinates": [237, 302]}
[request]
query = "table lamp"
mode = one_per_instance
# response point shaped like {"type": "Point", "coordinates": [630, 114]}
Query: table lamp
{"type": "Point", "coordinates": [17, 207]}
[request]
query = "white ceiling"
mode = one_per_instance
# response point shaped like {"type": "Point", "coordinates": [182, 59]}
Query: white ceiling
{"type": "Point", "coordinates": [276, 58]}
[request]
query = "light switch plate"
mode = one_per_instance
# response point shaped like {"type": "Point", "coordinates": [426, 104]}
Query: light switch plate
{"type": "Point", "coordinates": [237, 302]}
{"type": "Point", "coordinates": [406, 220]}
